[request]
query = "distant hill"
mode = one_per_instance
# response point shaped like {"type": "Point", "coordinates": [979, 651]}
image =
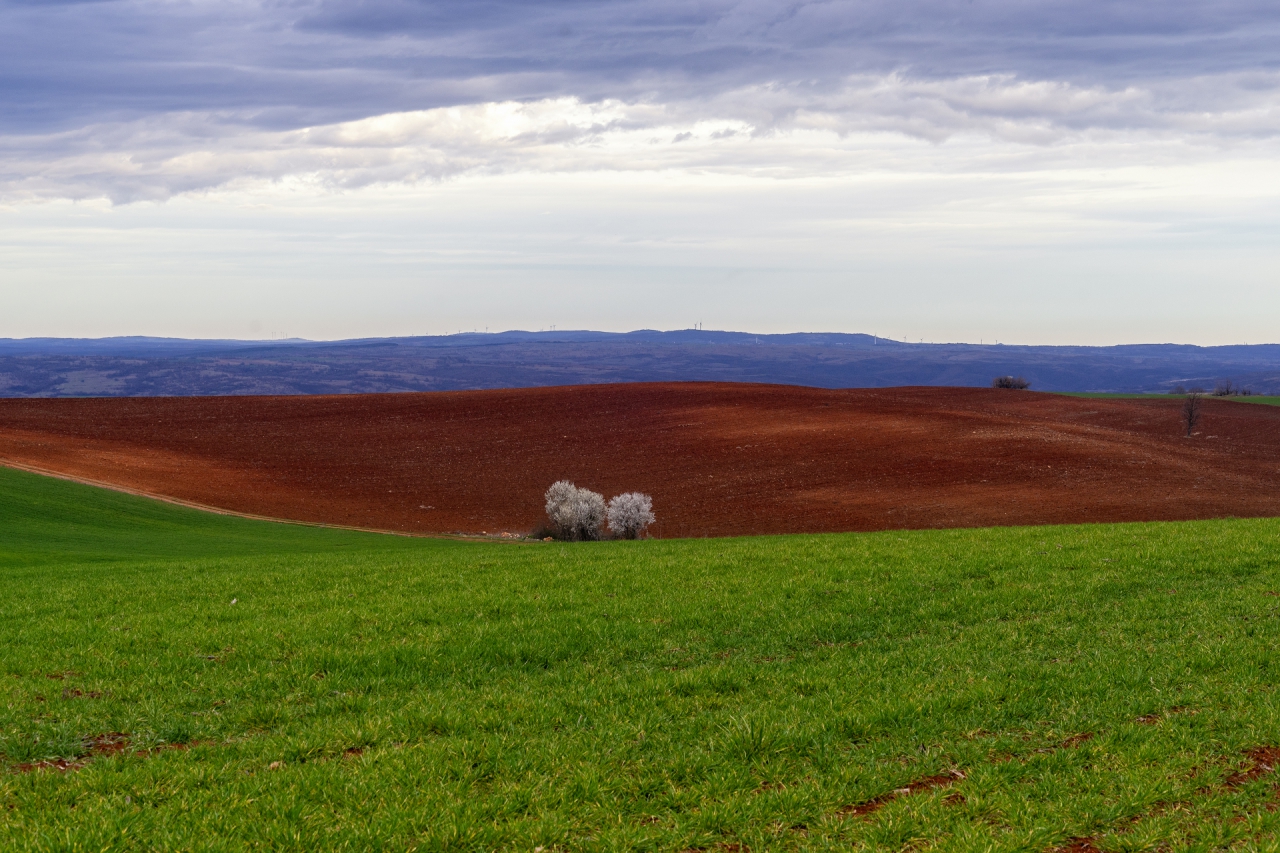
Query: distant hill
{"type": "Point", "coordinates": [137, 366]}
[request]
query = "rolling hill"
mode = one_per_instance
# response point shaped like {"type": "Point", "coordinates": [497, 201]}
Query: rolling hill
{"type": "Point", "coordinates": [719, 459]}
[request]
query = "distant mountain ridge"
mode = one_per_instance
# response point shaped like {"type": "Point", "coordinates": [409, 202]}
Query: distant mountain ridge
{"type": "Point", "coordinates": [146, 366]}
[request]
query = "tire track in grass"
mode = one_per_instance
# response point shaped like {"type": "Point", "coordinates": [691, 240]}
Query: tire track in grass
{"type": "Point", "coordinates": [97, 746]}
{"type": "Point", "coordinates": [945, 779]}
{"type": "Point", "coordinates": [1263, 761]}
{"type": "Point", "coordinates": [1079, 845]}
{"type": "Point", "coordinates": [929, 783]}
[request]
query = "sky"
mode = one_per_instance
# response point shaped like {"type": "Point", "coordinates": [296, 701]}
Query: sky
{"type": "Point", "coordinates": [947, 170]}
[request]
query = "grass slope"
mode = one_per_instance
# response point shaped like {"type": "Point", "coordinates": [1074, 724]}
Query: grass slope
{"type": "Point", "coordinates": [368, 692]}
{"type": "Point", "coordinates": [1108, 395]}
{"type": "Point", "coordinates": [1258, 398]}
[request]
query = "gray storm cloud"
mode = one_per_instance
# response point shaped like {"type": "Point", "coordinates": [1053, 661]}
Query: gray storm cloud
{"type": "Point", "coordinates": [132, 99]}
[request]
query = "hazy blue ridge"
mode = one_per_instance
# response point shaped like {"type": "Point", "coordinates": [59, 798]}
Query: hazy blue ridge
{"type": "Point", "coordinates": [148, 366]}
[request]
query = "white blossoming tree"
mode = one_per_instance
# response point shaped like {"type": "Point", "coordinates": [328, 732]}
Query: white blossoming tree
{"type": "Point", "coordinates": [629, 514]}
{"type": "Point", "coordinates": [575, 513]}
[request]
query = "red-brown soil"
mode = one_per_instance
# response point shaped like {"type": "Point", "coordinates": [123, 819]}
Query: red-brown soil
{"type": "Point", "coordinates": [719, 459]}
{"type": "Point", "coordinates": [1263, 760]}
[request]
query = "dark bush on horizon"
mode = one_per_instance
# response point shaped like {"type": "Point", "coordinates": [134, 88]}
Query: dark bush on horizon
{"type": "Point", "coordinates": [1015, 382]}
{"type": "Point", "coordinates": [1224, 388]}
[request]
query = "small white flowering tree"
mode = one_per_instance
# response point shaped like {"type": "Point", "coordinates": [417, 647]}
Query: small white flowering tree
{"type": "Point", "coordinates": [629, 514]}
{"type": "Point", "coordinates": [575, 513]}
{"type": "Point", "coordinates": [588, 514]}
{"type": "Point", "coordinates": [560, 507]}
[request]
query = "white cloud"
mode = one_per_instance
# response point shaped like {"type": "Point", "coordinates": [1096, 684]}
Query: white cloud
{"type": "Point", "coordinates": [380, 166]}
{"type": "Point", "coordinates": [769, 130]}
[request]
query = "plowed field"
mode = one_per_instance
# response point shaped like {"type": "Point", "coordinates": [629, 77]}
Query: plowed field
{"type": "Point", "coordinates": [719, 459]}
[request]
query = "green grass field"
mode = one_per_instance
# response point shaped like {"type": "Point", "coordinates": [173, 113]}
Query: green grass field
{"type": "Point", "coordinates": [345, 691]}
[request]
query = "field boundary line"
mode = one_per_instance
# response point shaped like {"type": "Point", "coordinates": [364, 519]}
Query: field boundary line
{"type": "Point", "coordinates": [141, 493]}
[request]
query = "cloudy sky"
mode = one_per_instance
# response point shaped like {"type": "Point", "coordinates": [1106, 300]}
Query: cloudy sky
{"type": "Point", "coordinates": [950, 170]}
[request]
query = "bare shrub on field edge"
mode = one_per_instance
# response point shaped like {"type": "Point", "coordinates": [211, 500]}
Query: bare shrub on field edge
{"type": "Point", "coordinates": [1225, 388]}
{"type": "Point", "coordinates": [1191, 412]}
{"type": "Point", "coordinates": [1017, 383]}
